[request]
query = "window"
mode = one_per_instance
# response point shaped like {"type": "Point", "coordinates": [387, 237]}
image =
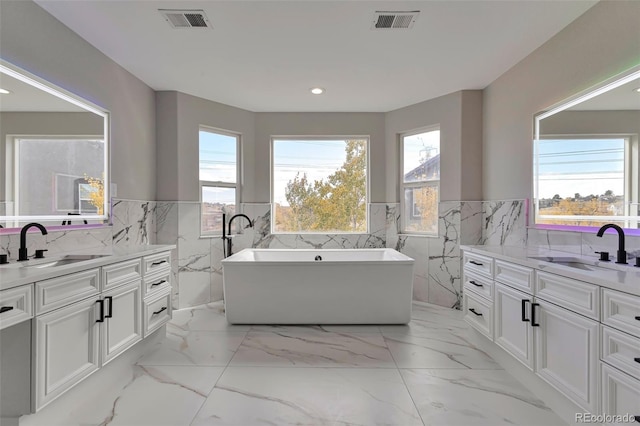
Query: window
{"type": "Point", "coordinates": [319, 185]}
{"type": "Point", "coordinates": [584, 181]}
{"type": "Point", "coordinates": [218, 178]}
{"type": "Point", "coordinates": [420, 181]}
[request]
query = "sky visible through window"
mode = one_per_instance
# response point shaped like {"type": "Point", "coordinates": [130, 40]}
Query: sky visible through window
{"type": "Point", "coordinates": [317, 158]}
{"type": "Point", "coordinates": [419, 148]}
{"type": "Point", "coordinates": [583, 166]}
{"type": "Point", "coordinates": [217, 164]}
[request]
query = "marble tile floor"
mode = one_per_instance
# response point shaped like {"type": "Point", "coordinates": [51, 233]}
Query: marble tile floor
{"type": "Point", "coordinates": [207, 372]}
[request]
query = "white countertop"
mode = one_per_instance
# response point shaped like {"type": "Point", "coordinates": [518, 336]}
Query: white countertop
{"type": "Point", "coordinates": [623, 278]}
{"type": "Point", "coordinates": [14, 275]}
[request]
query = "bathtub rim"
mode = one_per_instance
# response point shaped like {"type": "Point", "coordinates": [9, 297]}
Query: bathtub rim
{"type": "Point", "coordinates": [241, 257]}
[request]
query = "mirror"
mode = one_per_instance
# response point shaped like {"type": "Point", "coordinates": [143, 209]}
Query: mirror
{"type": "Point", "coordinates": [587, 158]}
{"type": "Point", "coordinates": [54, 152]}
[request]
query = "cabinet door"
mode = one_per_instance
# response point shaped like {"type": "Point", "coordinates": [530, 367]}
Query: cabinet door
{"type": "Point", "coordinates": [66, 349]}
{"type": "Point", "coordinates": [620, 393]}
{"type": "Point", "coordinates": [512, 327]}
{"type": "Point", "coordinates": [122, 326]}
{"type": "Point", "coordinates": [567, 352]}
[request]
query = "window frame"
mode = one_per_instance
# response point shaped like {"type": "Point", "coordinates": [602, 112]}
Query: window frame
{"type": "Point", "coordinates": [631, 170]}
{"type": "Point", "coordinates": [403, 186]}
{"type": "Point", "coordinates": [237, 185]}
{"type": "Point", "coordinates": [274, 138]}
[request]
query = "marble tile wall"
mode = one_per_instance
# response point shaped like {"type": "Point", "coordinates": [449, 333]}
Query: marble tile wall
{"type": "Point", "coordinates": [583, 243]}
{"type": "Point", "coordinates": [504, 223]}
{"type": "Point", "coordinates": [134, 222]}
{"type": "Point", "coordinates": [58, 241]}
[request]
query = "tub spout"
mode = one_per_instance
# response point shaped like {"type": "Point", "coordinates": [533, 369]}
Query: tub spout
{"type": "Point", "coordinates": [226, 236]}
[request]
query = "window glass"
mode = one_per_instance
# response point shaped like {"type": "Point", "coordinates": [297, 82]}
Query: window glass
{"type": "Point", "coordinates": [420, 182]}
{"type": "Point", "coordinates": [218, 178]}
{"type": "Point", "coordinates": [320, 185]}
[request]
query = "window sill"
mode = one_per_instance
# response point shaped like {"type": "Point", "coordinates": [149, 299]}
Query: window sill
{"type": "Point", "coordinates": [409, 234]}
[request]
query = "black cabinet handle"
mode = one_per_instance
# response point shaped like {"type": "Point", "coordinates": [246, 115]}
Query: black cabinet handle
{"type": "Point", "coordinates": [475, 283]}
{"type": "Point", "coordinates": [161, 310]}
{"type": "Point", "coordinates": [637, 360]}
{"type": "Point", "coordinates": [158, 263]}
{"type": "Point", "coordinates": [476, 263]}
{"type": "Point", "coordinates": [101, 303]}
{"type": "Point", "coordinates": [110, 311]}
{"type": "Point", "coordinates": [637, 318]}
{"type": "Point", "coordinates": [524, 310]}
{"type": "Point", "coordinates": [533, 315]}
{"type": "Point", "coordinates": [474, 311]}
{"type": "Point", "coordinates": [158, 283]}
{"type": "Point", "coordinates": [5, 309]}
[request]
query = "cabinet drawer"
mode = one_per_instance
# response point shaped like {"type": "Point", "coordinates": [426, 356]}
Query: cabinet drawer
{"type": "Point", "coordinates": [478, 312]}
{"type": "Point", "coordinates": [620, 393]}
{"type": "Point", "coordinates": [516, 276]}
{"type": "Point", "coordinates": [478, 284]}
{"type": "Point", "coordinates": [621, 311]}
{"type": "Point", "coordinates": [157, 281]}
{"type": "Point", "coordinates": [157, 311]}
{"type": "Point", "coordinates": [121, 273]}
{"type": "Point", "coordinates": [156, 262]}
{"type": "Point", "coordinates": [16, 305]}
{"type": "Point", "coordinates": [575, 295]}
{"type": "Point", "coordinates": [621, 350]}
{"type": "Point", "coordinates": [478, 263]}
{"type": "Point", "coordinates": [58, 292]}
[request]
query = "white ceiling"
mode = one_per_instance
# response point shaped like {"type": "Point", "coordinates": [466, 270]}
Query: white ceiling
{"type": "Point", "coordinates": [266, 55]}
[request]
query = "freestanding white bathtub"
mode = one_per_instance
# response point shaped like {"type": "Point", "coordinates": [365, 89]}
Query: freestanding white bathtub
{"type": "Point", "coordinates": [350, 286]}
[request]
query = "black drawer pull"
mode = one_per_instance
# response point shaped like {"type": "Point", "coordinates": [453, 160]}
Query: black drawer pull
{"type": "Point", "coordinates": [158, 263]}
{"type": "Point", "coordinates": [101, 302]}
{"type": "Point", "coordinates": [533, 315]}
{"type": "Point", "coordinates": [637, 318]}
{"type": "Point", "coordinates": [158, 283]}
{"type": "Point", "coordinates": [5, 309]}
{"type": "Point", "coordinates": [637, 360]}
{"type": "Point", "coordinates": [475, 283]}
{"type": "Point", "coordinates": [110, 311]}
{"type": "Point", "coordinates": [161, 310]}
{"type": "Point", "coordinates": [474, 311]}
{"type": "Point", "coordinates": [476, 263]}
{"type": "Point", "coordinates": [524, 310]}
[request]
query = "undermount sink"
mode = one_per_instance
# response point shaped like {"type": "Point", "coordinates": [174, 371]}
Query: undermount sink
{"type": "Point", "coordinates": [71, 258]}
{"type": "Point", "coordinates": [567, 261]}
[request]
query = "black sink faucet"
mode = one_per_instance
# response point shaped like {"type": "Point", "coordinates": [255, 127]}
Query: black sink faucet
{"type": "Point", "coordinates": [622, 254]}
{"type": "Point", "coordinates": [22, 252]}
{"type": "Point", "coordinates": [226, 236]}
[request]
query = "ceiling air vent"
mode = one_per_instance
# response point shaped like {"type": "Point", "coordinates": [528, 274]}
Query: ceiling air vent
{"type": "Point", "coordinates": [385, 20]}
{"type": "Point", "coordinates": [186, 18]}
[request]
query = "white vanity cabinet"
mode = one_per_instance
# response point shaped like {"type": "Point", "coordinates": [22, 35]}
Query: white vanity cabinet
{"type": "Point", "coordinates": [122, 324]}
{"type": "Point", "coordinates": [67, 349]}
{"type": "Point", "coordinates": [566, 352]}
{"type": "Point", "coordinates": [547, 322]}
{"type": "Point", "coordinates": [85, 319]}
{"type": "Point", "coordinates": [620, 354]}
{"type": "Point", "coordinates": [512, 323]}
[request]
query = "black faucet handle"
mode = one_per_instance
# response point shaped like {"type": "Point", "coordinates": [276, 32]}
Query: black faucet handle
{"type": "Point", "coordinates": [604, 256]}
{"type": "Point", "coordinates": [40, 253]}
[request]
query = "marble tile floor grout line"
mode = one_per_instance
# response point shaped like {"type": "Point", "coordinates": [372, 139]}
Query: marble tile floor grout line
{"type": "Point", "coordinates": [207, 372]}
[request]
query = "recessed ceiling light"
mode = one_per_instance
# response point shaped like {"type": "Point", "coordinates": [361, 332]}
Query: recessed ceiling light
{"type": "Point", "coordinates": [638, 90]}
{"type": "Point", "coordinates": [317, 90]}
{"type": "Point", "coordinates": [4, 91]}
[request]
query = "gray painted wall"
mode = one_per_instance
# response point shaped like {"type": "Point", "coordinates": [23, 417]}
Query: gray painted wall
{"type": "Point", "coordinates": [34, 40]}
{"type": "Point", "coordinates": [459, 115]}
{"type": "Point", "coordinates": [601, 43]}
